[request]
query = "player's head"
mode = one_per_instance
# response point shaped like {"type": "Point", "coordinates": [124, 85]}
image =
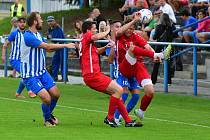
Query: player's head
{"type": "Point", "coordinates": [115, 25]}
{"type": "Point", "coordinates": [51, 21]}
{"type": "Point", "coordinates": [89, 26]}
{"type": "Point", "coordinates": [130, 30]}
{"type": "Point", "coordinates": [21, 23]}
{"type": "Point", "coordinates": [35, 20]}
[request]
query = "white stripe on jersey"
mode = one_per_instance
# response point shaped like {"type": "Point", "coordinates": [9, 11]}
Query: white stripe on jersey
{"type": "Point", "coordinates": [32, 60]}
{"type": "Point", "coordinates": [116, 66]}
{"type": "Point", "coordinates": [16, 46]}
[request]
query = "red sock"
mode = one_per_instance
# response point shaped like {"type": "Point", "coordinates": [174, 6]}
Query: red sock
{"type": "Point", "coordinates": [143, 52]}
{"type": "Point", "coordinates": [145, 101]}
{"type": "Point", "coordinates": [113, 104]}
{"type": "Point", "coordinates": [123, 111]}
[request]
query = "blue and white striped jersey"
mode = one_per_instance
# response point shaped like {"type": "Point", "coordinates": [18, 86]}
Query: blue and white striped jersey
{"type": "Point", "coordinates": [32, 57]}
{"type": "Point", "coordinates": [16, 39]}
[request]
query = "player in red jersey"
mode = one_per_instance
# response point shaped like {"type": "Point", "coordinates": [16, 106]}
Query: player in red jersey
{"type": "Point", "coordinates": [96, 79]}
{"type": "Point", "coordinates": [131, 50]}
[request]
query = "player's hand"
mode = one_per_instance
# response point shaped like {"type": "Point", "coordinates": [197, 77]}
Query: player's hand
{"type": "Point", "coordinates": [137, 16]}
{"type": "Point", "coordinates": [70, 45]}
{"type": "Point", "coordinates": [157, 60]}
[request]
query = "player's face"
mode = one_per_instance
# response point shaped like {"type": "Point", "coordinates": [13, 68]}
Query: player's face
{"type": "Point", "coordinates": [130, 31]}
{"type": "Point", "coordinates": [93, 29]}
{"type": "Point", "coordinates": [22, 24]}
{"type": "Point", "coordinates": [39, 22]}
{"type": "Point", "coordinates": [116, 26]}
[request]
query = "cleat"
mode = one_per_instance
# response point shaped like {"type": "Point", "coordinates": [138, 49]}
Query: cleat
{"type": "Point", "coordinates": [167, 52]}
{"type": "Point", "coordinates": [133, 123]}
{"type": "Point", "coordinates": [54, 119]}
{"type": "Point", "coordinates": [49, 123]}
{"type": "Point", "coordinates": [139, 113]}
{"type": "Point", "coordinates": [111, 123]}
{"type": "Point", "coordinates": [31, 94]}
{"type": "Point", "coordinates": [19, 96]}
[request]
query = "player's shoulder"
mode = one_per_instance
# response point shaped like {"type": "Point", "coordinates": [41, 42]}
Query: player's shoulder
{"type": "Point", "coordinates": [15, 32]}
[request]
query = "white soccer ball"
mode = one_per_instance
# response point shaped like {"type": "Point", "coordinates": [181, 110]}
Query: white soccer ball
{"type": "Point", "coordinates": [146, 16]}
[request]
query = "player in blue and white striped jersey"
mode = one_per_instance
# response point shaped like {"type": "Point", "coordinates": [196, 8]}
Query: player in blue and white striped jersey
{"type": "Point", "coordinates": [16, 39]}
{"type": "Point", "coordinates": [33, 70]}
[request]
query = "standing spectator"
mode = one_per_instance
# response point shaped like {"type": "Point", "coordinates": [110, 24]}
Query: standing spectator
{"type": "Point", "coordinates": [55, 31]}
{"type": "Point", "coordinates": [166, 8]}
{"type": "Point", "coordinates": [152, 6]}
{"type": "Point", "coordinates": [177, 5]}
{"type": "Point", "coordinates": [17, 9]}
{"type": "Point", "coordinates": [98, 17]}
{"type": "Point", "coordinates": [90, 16]}
{"type": "Point", "coordinates": [163, 33]}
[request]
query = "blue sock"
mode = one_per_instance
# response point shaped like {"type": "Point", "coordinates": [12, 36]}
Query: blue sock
{"type": "Point", "coordinates": [46, 111]}
{"type": "Point", "coordinates": [20, 88]}
{"type": "Point", "coordinates": [131, 104]}
{"type": "Point", "coordinates": [52, 105]}
{"type": "Point", "coordinates": [124, 98]}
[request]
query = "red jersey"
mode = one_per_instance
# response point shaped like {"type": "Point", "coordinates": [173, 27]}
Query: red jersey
{"type": "Point", "coordinates": [123, 44]}
{"type": "Point", "coordinates": [89, 57]}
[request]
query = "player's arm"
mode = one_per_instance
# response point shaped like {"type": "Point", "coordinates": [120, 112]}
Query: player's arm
{"type": "Point", "coordinates": [126, 26]}
{"type": "Point", "coordinates": [5, 45]}
{"type": "Point", "coordinates": [103, 49]}
{"type": "Point", "coordinates": [148, 47]}
{"type": "Point", "coordinates": [101, 35]}
{"type": "Point", "coordinates": [111, 56]}
{"type": "Point", "coordinates": [50, 47]}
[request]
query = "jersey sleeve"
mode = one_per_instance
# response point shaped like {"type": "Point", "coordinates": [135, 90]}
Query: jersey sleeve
{"type": "Point", "coordinates": [31, 40]}
{"type": "Point", "coordinates": [141, 41]}
{"type": "Point", "coordinates": [11, 37]}
{"type": "Point", "coordinates": [87, 37]}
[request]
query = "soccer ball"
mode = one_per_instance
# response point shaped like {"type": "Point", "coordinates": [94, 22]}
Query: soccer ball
{"type": "Point", "coordinates": [146, 16]}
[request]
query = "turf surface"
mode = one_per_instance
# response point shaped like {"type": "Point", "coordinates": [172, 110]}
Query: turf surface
{"type": "Point", "coordinates": [81, 112]}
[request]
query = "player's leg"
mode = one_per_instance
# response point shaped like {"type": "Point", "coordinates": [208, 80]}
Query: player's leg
{"type": "Point", "coordinates": [52, 89]}
{"type": "Point", "coordinates": [117, 103]}
{"type": "Point", "coordinates": [37, 87]}
{"type": "Point", "coordinates": [144, 79]}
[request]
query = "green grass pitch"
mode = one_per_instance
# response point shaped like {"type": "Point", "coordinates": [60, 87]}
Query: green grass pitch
{"type": "Point", "coordinates": [81, 112]}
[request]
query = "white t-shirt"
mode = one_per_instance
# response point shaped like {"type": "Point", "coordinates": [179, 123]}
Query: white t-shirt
{"type": "Point", "coordinates": [168, 10]}
{"type": "Point", "coordinates": [202, 1]}
{"type": "Point", "coordinates": [130, 3]}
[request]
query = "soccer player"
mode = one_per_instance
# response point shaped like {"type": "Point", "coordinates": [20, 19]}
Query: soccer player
{"type": "Point", "coordinates": [131, 50]}
{"type": "Point", "coordinates": [33, 70]}
{"type": "Point", "coordinates": [130, 84]}
{"type": "Point", "coordinates": [16, 39]}
{"type": "Point", "coordinates": [96, 79]}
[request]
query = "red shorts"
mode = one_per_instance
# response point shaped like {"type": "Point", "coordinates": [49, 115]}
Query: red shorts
{"type": "Point", "coordinates": [137, 70]}
{"type": "Point", "coordinates": [97, 81]}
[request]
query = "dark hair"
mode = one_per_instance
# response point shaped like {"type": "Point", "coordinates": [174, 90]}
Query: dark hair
{"type": "Point", "coordinates": [31, 18]}
{"type": "Point", "coordinates": [21, 18]}
{"type": "Point", "coordinates": [185, 12]}
{"type": "Point", "coordinates": [114, 21]}
{"type": "Point", "coordinates": [165, 20]}
{"type": "Point", "coordinates": [202, 11]}
{"type": "Point", "coordinates": [87, 25]}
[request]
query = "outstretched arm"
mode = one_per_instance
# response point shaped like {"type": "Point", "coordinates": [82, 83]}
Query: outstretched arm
{"type": "Point", "coordinates": [101, 35]}
{"type": "Point", "coordinates": [50, 47]}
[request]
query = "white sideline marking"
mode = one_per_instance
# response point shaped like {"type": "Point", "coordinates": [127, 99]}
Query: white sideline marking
{"type": "Point", "coordinates": [98, 111]}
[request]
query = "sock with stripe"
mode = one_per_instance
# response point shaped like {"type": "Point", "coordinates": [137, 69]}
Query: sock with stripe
{"type": "Point", "coordinates": [124, 98]}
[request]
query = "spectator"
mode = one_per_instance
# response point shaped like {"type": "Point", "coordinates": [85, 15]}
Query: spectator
{"type": "Point", "coordinates": [17, 9]}
{"type": "Point", "coordinates": [98, 17]}
{"type": "Point", "coordinates": [90, 16]}
{"type": "Point", "coordinates": [152, 6]}
{"type": "Point", "coordinates": [203, 31]}
{"type": "Point", "coordinates": [163, 33]}
{"type": "Point", "coordinates": [55, 31]}
{"type": "Point", "coordinates": [200, 4]}
{"type": "Point", "coordinates": [78, 32]}
{"type": "Point", "coordinates": [202, 26]}
{"type": "Point", "coordinates": [166, 8]}
{"type": "Point", "coordinates": [177, 5]}
{"type": "Point", "coordinates": [187, 21]}
{"type": "Point", "coordinates": [127, 8]}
